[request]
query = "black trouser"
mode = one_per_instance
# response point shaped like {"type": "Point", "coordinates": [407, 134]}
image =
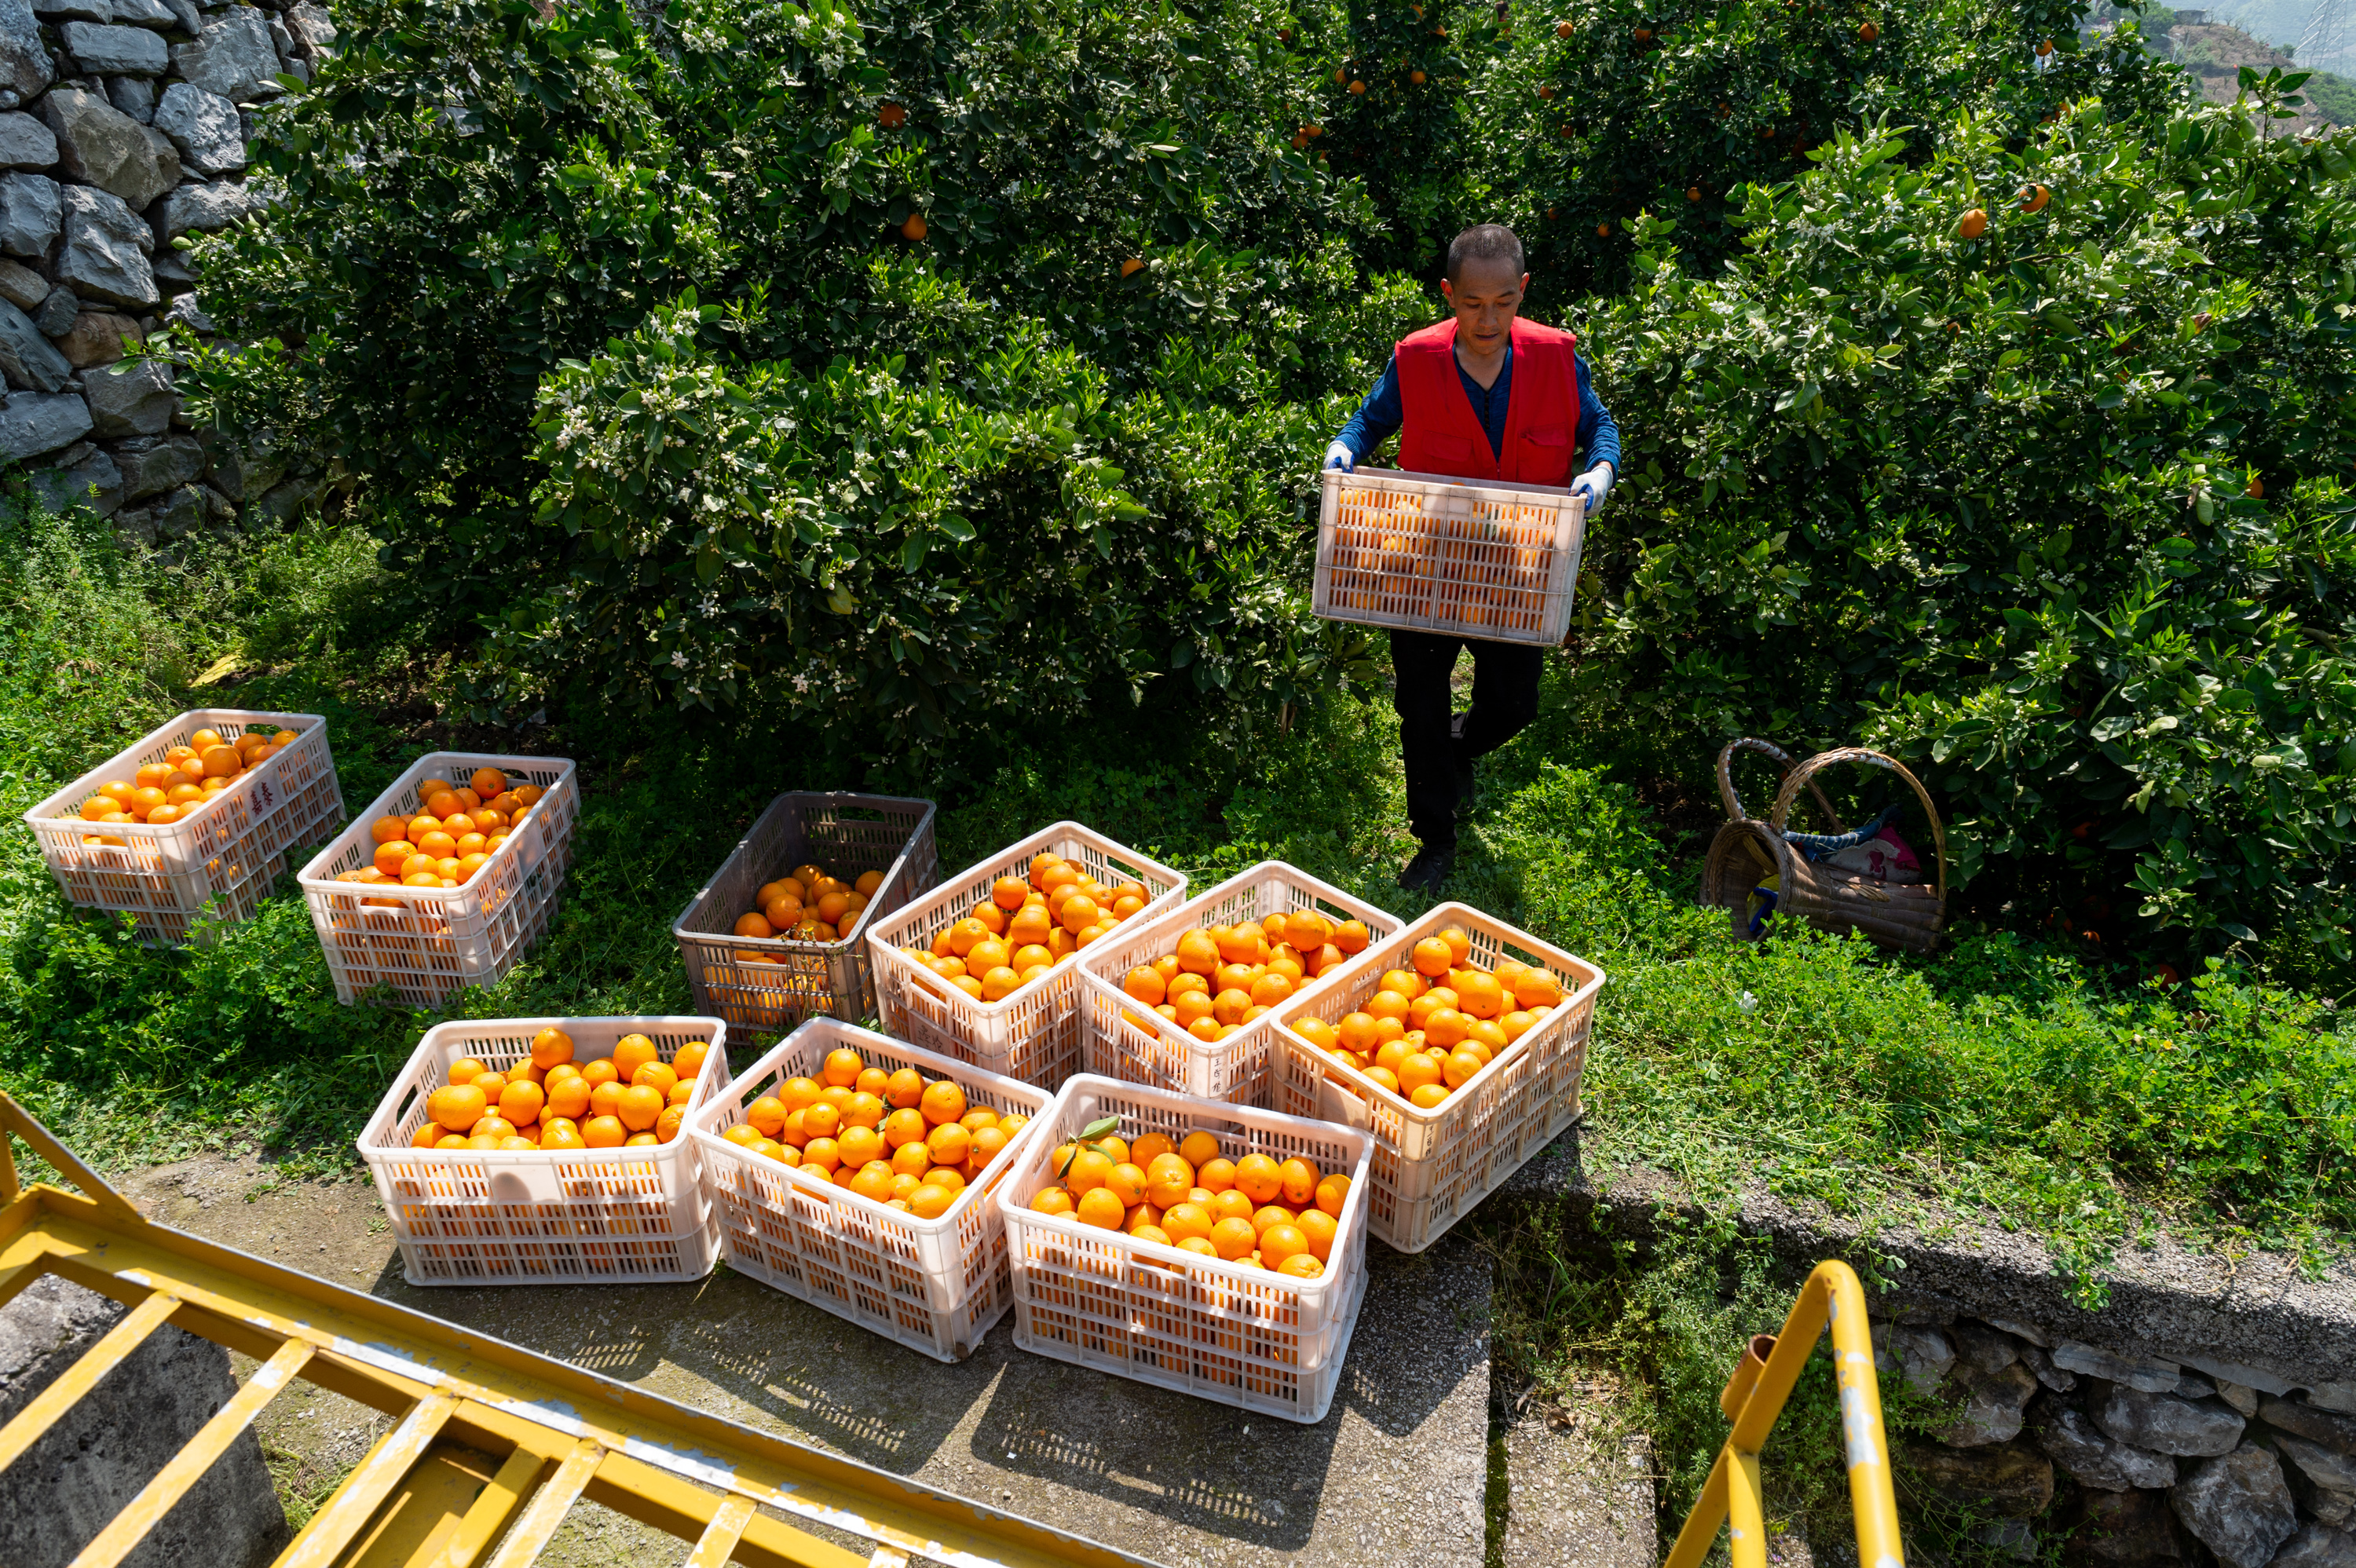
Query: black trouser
{"type": "Point", "coordinates": [1504, 700]}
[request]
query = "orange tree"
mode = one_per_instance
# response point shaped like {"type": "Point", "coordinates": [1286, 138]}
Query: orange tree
{"type": "Point", "coordinates": [959, 230]}
{"type": "Point", "coordinates": [1567, 119]}
{"type": "Point", "coordinates": [2059, 510]}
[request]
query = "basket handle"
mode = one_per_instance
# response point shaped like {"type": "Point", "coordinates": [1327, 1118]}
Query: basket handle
{"type": "Point", "coordinates": [1783, 764]}
{"type": "Point", "coordinates": [1807, 771]}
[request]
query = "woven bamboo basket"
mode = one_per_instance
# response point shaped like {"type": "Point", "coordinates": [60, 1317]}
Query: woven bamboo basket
{"type": "Point", "coordinates": [1908, 916]}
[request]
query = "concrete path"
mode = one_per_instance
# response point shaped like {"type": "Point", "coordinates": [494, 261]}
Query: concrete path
{"type": "Point", "coordinates": [1396, 1473]}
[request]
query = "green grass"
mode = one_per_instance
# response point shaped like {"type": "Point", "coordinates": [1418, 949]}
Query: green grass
{"type": "Point", "coordinates": [1998, 1079]}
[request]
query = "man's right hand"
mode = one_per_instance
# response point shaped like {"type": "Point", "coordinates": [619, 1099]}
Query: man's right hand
{"type": "Point", "coordinates": [1339, 455]}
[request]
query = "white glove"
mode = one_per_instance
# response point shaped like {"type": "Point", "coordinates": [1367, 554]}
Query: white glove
{"type": "Point", "coordinates": [1339, 455]}
{"type": "Point", "coordinates": [1596, 483]}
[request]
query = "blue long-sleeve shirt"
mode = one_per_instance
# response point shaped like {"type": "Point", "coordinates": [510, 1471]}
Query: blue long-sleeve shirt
{"type": "Point", "coordinates": [1379, 417]}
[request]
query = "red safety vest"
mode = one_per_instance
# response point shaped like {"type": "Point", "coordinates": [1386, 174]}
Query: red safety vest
{"type": "Point", "coordinates": [1439, 433]}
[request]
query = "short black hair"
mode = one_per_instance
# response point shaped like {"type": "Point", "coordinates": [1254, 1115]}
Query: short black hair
{"type": "Point", "coordinates": [1486, 242]}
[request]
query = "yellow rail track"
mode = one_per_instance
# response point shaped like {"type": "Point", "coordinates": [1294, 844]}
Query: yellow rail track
{"type": "Point", "coordinates": [554, 1434]}
{"type": "Point", "coordinates": [1754, 1399]}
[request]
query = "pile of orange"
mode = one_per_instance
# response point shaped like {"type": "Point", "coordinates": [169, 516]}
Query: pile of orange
{"type": "Point", "coordinates": [807, 905]}
{"type": "Point", "coordinates": [1273, 1214]}
{"type": "Point", "coordinates": [898, 1138]}
{"type": "Point", "coordinates": [1024, 929]}
{"type": "Point", "coordinates": [183, 783]}
{"type": "Point", "coordinates": [546, 1101]}
{"type": "Point", "coordinates": [1217, 979]}
{"type": "Point", "coordinates": [456, 833]}
{"type": "Point", "coordinates": [1428, 1030]}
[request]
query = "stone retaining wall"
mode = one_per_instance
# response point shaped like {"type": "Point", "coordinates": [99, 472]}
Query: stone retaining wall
{"type": "Point", "coordinates": [2143, 1461]}
{"type": "Point", "coordinates": [123, 125]}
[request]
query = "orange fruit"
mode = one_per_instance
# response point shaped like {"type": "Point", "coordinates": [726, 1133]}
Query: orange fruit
{"type": "Point", "coordinates": [913, 1159]}
{"type": "Point", "coordinates": [796, 1093]}
{"type": "Point", "coordinates": [874, 1181]}
{"type": "Point", "coordinates": [1128, 1184]}
{"type": "Point", "coordinates": [1481, 996]}
{"type": "Point", "coordinates": [561, 1134]}
{"type": "Point", "coordinates": [633, 1052]}
{"type": "Point", "coordinates": [1280, 1244]}
{"type": "Point", "coordinates": [1302, 1265]}
{"type": "Point", "coordinates": [1198, 954]}
{"type": "Point", "coordinates": [1318, 1229]}
{"type": "Point", "coordinates": [766, 1114]}
{"type": "Point", "coordinates": [843, 1066]}
{"type": "Point", "coordinates": [640, 1107]}
{"type": "Point", "coordinates": [903, 1127]}
{"type": "Point", "coordinates": [458, 1107]}
{"type": "Point", "coordinates": [1181, 1220]}
{"type": "Point", "coordinates": [1216, 1175]}
{"type": "Point", "coordinates": [1460, 1067]}
{"type": "Point", "coordinates": [930, 1200]}
{"type": "Point", "coordinates": [429, 1134]}
{"type": "Point", "coordinates": [863, 1111]}
{"type": "Point", "coordinates": [819, 1118]}
{"type": "Point", "coordinates": [1099, 1207]}
{"type": "Point", "coordinates": [667, 1125]}
{"type": "Point", "coordinates": [950, 1142]}
{"type": "Point", "coordinates": [1233, 1238]}
{"type": "Point", "coordinates": [489, 782]}
{"type": "Point", "coordinates": [1297, 1181]}
{"type": "Point", "coordinates": [1198, 1148]}
{"type": "Point", "coordinates": [1256, 1178]}
{"type": "Point", "coordinates": [1052, 1201]}
{"type": "Point", "coordinates": [1168, 1180]}
{"type": "Point", "coordinates": [1231, 1205]}
{"type": "Point", "coordinates": [942, 1101]}
{"type": "Point", "coordinates": [754, 925]}
{"type": "Point", "coordinates": [1351, 936]}
{"type": "Point", "coordinates": [551, 1046]}
{"type": "Point", "coordinates": [1972, 225]}
{"type": "Point", "coordinates": [822, 1153]}
{"type": "Point", "coordinates": [688, 1061]}
{"type": "Point", "coordinates": [1146, 985]}
{"type": "Point", "coordinates": [606, 1099]}
{"type": "Point", "coordinates": [655, 1075]}
{"type": "Point", "coordinates": [385, 829]}
{"type": "Point", "coordinates": [1199, 1245]}
{"type": "Point", "coordinates": [393, 856]}
{"type": "Point", "coordinates": [521, 1103]}
{"type": "Point", "coordinates": [1419, 1069]}
{"type": "Point", "coordinates": [604, 1131]}
{"type": "Point", "coordinates": [860, 1147]}
{"type": "Point", "coordinates": [905, 1088]}
{"type": "Point", "coordinates": [1433, 956]}
{"type": "Point", "coordinates": [1088, 1170]}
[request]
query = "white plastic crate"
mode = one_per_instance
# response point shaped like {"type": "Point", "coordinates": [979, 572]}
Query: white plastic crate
{"type": "Point", "coordinates": [426, 943]}
{"type": "Point", "coordinates": [1431, 1167]}
{"type": "Point", "coordinates": [1428, 553]}
{"type": "Point", "coordinates": [219, 863]}
{"type": "Point", "coordinates": [1035, 1034]}
{"type": "Point", "coordinates": [1125, 1040]}
{"type": "Point", "coordinates": [935, 1285]}
{"type": "Point", "coordinates": [1232, 1333]}
{"type": "Point", "coordinates": [599, 1216]}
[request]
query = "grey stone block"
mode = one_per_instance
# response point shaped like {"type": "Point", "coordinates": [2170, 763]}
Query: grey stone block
{"type": "Point", "coordinates": [185, 313]}
{"type": "Point", "coordinates": [93, 482]}
{"type": "Point", "coordinates": [232, 57]}
{"type": "Point", "coordinates": [105, 256]}
{"type": "Point", "coordinates": [99, 337]}
{"type": "Point", "coordinates": [99, 144]}
{"type": "Point", "coordinates": [180, 513]}
{"type": "Point", "coordinates": [116, 51]}
{"type": "Point", "coordinates": [25, 64]}
{"type": "Point", "coordinates": [200, 209]}
{"type": "Point", "coordinates": [2007, 1480]}
{"type": "Point", "coordinates": [152, 14]}
{"type": "Point", "coordinates": [27, 356]}
{"type": "Point", "coordinates": [2094, 1460]}
{"type": "Point", "coordinates": [2334, 1432]}
{"type": "Point", "coordinates": [2325, 1467]}
{"type": "Point", "coordinates": [1993, 1401]}
{"type": "Point", "coordinates": [152, 464]}
{"type": "Point", "coordinates": [2146, 1376]}
{"type": "Point", "coordinates": [21, 286]}
{"type": "Point", "coordinates": [107, 1447]}
{"type": "Point", "coordinates": [2317, 1546]}
{"type": "Point", "coordinates": [186, 17]}
{"type": "Point", "coordinates": [312, 25]}
{"type": "Point", "coordinates": [34, 422]}
{"type": "Point", "coordinates": [2131, 1530]}
{"type": "Point", "coordinates": [73, 10]}
{"type": "Point", "coordinates": [204, 127]}
{"type": "Point", "coordinates": [134, 95]}
{"type": "Point", "coordinates": [26, 143]}
{"type": "Point", "coordinates": [2163, 1423]}
{"type": "Point", "coordinates": [288, 500]}
{"type": "Point", "coordinates": [56, 315]}
{"type": "Point", "coordinates": [31, 214]}
{"type": "Point", "coordinates": [133, 399]}
{"type": "Point", "coordinates": [1921, 1355]}
{"type": "Point", "coordinates": [2238, 1505]}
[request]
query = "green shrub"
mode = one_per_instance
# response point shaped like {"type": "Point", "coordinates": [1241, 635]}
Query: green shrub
{"type": "Point", "coordinates": [1996, 504]}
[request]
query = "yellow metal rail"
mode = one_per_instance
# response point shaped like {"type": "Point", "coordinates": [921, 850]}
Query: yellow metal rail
{"type": "Point", "coordinates": [491, 1445]}
{"type": "Point", "coordinates": [1754, 1397]}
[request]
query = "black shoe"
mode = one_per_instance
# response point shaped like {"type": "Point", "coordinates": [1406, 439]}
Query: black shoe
{"type": "Point", "coordinates": [1428, 873]}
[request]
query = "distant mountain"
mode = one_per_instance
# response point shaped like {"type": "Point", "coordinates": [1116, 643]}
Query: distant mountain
{"type": "Point", "coordinates": [2214, 50]}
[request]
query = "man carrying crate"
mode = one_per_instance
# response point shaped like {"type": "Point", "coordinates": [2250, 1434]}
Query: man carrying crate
{"type": "Point", "coordinates": [1482, 395]}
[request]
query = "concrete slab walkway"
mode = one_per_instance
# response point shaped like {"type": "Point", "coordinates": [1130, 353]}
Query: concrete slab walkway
{"type": "Point", "coordinates": [1396, 1473]}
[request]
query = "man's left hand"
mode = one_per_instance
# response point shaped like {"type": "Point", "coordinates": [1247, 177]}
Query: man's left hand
{"type": "Point", "coordinates": [1597, 485]}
